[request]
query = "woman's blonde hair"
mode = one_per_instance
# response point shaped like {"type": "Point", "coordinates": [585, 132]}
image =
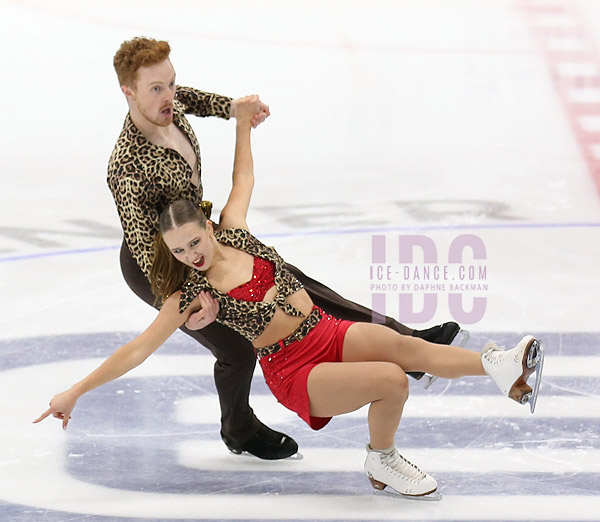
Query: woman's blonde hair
{"type": "Point", "coordinates": [167, 275]}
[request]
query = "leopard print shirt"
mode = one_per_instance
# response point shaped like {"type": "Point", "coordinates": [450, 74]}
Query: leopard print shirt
{"type": "Point", "coordinates": [144, 178]}
{"type": "Point", "coordinates": [247, 318]}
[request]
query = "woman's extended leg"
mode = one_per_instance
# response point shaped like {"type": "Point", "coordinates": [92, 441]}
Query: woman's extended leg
{"type": "Point", "coordinates": [509, 369]}
{"type": "Point", "coordinates": [372, 342]}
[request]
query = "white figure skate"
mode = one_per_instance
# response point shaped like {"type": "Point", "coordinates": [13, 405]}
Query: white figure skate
{"type": "Point", "coordinates": [510, 369]}
{"type": "Point", "coordinates": [393, 470]}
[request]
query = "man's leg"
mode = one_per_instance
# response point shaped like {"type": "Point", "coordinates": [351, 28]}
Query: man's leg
{"type": "Point", "coordinates": [234, 367]}
{"type": "Point", "coordinates": [336, 305]}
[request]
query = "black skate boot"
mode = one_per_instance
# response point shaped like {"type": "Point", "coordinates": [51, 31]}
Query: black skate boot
{"type": "Point", "coordinates": [266, 444]}
{"type": "Point", "coordinates": [439, 334]}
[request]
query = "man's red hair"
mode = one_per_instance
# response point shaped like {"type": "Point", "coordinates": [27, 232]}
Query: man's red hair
{"type": "Point", "coordinates": [138, 52]}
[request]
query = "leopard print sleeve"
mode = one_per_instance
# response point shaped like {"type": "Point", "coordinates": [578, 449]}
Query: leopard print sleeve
{"type": "Point", "coordinates": [138, 219]}
{"type": "Point", "coordinates": [202, 103]}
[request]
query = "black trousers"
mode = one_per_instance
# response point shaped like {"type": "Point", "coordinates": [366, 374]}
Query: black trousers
{"type": "Point", "coordinates": [235, 360]}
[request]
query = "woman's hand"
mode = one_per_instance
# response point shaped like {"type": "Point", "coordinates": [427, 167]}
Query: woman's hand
{"type": "Point", "coordinates": [61, 407]}
{"type": "Point", "coordinates": [206, 315]}
{"type": "Point", "coordinates": [249, 109]}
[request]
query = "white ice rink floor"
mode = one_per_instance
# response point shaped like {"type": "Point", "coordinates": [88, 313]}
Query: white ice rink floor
{"type": "Point", "coordinates": [442, 120]}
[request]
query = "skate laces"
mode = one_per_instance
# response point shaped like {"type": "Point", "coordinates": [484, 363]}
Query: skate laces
{"type": "Point", "coordinates": [493, 353]}
{"type": "Point", "coordinates": [399, 464]}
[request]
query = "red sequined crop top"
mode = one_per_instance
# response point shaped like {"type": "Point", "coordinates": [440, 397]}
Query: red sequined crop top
{"type": "Point", "coordinates": [263, 278]}
{"type": "Point", "coordinates": [248, 318]}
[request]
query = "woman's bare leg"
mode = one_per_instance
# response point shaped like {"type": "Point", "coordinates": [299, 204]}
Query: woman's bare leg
{"type": "Point", "coordinates": [372, 342]}
{"type": "Point", "coordinates": [375, 360]}
{"type": "Point", "coordinates": [337, 388]}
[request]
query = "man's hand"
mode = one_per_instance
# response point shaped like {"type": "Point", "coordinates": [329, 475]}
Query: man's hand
{"type": "Point", "coordinates": [250, 106]}
{"type": "Point", "coordinates": [206, 315]}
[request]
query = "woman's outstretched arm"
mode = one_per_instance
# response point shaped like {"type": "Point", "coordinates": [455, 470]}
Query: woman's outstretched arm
{"type": "Point", "coordinates": [122, 360]}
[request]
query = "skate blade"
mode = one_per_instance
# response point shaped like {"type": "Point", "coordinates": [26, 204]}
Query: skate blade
{"type": "Point", "coordinates": [428, 379]}
{"type": "Point", "coordinates": [465, 336]}
{"type": "Point", "coordinates": [538, 377]}
{"type": "Point", "coordinates": [436, 496]}
{"type": "Point", "coordinates": [245, 454]}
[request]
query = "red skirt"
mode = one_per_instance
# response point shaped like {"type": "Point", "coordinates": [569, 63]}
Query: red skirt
{"type": "Point", "coordinates": [286, 372]}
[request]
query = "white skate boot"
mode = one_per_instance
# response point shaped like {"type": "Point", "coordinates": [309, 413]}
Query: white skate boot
{"type": "Point", "coordinates": [510, 369]}
{"type": "Point", "coordinates": [389, 468]}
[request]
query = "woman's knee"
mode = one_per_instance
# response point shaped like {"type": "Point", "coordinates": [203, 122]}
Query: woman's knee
{"type": "Point", "coordinates": [393, 380]}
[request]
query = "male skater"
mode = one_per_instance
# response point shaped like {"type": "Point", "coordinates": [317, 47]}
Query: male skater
{"type": "Point", "coordinates": [156, 161]}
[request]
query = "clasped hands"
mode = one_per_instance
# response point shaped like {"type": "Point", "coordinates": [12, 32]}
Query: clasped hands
{"type": "Point", "coordinates": [249, 108]}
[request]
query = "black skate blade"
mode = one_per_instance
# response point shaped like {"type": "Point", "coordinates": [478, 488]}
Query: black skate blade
{"type": "Point", "coordinates": [436, 496]}
{"type": "Point", "coordinates": [538, 377]}
{"type": "Point", "coordinates": [247, 455]}
{"type": "Point", "coordinates": [428, 379]}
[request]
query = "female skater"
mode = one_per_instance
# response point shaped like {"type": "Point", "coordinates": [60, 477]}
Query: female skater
{"type": "Point", "coordinates": [315, 364]}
